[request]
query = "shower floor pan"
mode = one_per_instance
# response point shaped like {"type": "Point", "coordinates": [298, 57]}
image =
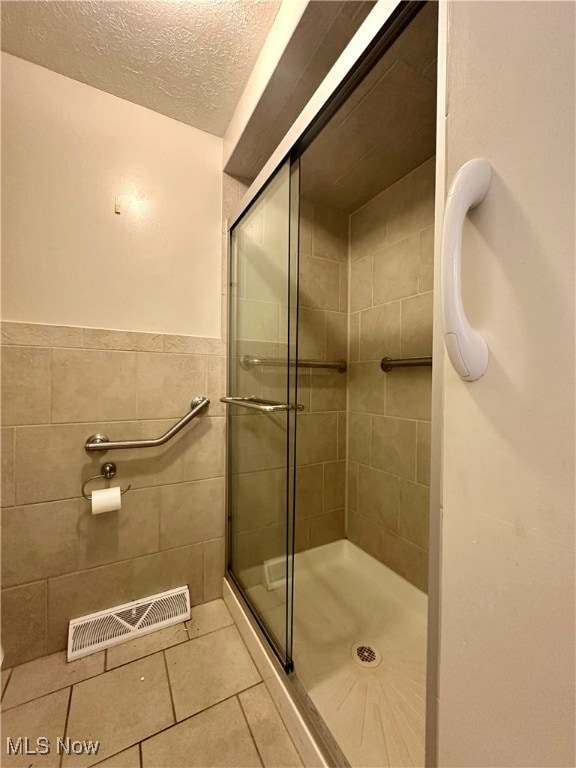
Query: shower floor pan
{"type": "Point", "coordinates": [360, 652]}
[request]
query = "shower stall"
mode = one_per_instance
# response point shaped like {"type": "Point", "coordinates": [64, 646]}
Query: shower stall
{"type": "Point", "coordinates": [329, 401]}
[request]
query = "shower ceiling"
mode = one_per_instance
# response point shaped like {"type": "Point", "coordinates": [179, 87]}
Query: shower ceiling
{"type": "Point", "coordinates": [189, 60]}
{"type": "Point", "coordinates": [378, 136]}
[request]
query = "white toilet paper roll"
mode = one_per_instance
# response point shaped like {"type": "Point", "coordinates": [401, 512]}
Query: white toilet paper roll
{"type": "Point", "coordinates": [106, 500]}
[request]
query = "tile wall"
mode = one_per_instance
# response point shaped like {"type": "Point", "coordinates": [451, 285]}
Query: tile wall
{"type": "Point", "coordinates": [391, 281]}
{"type": "Point", "coordinates": [323, 335]}
{"type": "Point", "coordinates": [60, 385]}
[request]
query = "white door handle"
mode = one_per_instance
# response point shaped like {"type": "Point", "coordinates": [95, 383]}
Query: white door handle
{"type": "Point", "coordinates": [466, 348]}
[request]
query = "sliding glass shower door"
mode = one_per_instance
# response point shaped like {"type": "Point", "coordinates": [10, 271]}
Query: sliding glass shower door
{"type": "Point", "coordinates": [262, 405]}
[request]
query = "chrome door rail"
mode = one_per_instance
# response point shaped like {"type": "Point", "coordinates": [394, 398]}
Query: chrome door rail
{"type": "Point", "coordinates": [264, 406]}
{"type": "Point", "coordinates": [101, 442]}
{"type": "Point", "coordinates": [339, 365]}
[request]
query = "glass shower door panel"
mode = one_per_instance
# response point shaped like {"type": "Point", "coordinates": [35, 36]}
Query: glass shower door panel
{"type": "Point", "coordinates": [260, 420]}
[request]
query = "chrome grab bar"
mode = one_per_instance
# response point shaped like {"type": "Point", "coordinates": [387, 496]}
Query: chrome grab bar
{"type": "Point", "coordinates": [339, 365]}
{"type": "Point", "coordinates": [387, 364]}
{"type": "Point", "coordinates": [100, 442]}
{"type": "Point", "coordinates": [264, 406]}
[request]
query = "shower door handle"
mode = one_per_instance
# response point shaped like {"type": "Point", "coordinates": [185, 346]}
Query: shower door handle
{"type": "Point", "coordinates": [466, 348]}
{"type": "Point", "coordinates": [264, 406]}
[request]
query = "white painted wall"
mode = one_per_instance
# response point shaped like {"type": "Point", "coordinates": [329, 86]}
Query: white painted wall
{"type": "Point", "coordinates": [507, 640]}
{"type": "Point", "coordinates": [67, 259]}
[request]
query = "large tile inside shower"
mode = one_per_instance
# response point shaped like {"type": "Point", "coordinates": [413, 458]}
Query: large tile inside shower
{"type": "Point", "coordinates": [374, 708]}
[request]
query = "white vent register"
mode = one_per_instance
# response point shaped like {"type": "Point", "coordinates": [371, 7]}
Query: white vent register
{"type": "Point", "coordinates": [104, 629]}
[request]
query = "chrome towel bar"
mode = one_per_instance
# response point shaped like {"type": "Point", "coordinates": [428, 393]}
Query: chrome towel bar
{"type": "Point", "coordinates": [264, 406]}
{"type": "Point", "coordinates": [339, 365]}
{"type": "Point", "coordinates": [387, 363]}
{"type": "Point", "coordinates": [100, 442]}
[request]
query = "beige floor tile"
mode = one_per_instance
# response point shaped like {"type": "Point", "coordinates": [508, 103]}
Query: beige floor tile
{"type": "Point", "coordinates": [208, 617]}
{"type": "Point", "coordinates": [120, 708]}
{"type": "Point", "coordinates": [216, 738]}
{"type": "Point", "coordinates": [146, 645]}
{"type": "Point", "coordinates": [48, 674]}
{"type": "Point", "coordinates": [219, 666]}
{"type": "Point", "coordinates": [43, 717]}
{"type": "Point", "coordinates": [274, 744]}
{"type": "Point", "coordinates": [129, 758]}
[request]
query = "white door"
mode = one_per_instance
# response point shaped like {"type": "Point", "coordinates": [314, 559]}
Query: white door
{"type": "Point", "coordinates": [507, 642]}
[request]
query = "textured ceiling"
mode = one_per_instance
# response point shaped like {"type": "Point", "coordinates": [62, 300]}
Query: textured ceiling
{"type": "Point", "coordinates": [189, 60]}
{"type": "Point", "coordinates": [385, 129]}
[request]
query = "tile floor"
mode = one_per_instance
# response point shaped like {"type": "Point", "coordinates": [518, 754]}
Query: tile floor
{"type": "Point", "coordinates": [185, 696]}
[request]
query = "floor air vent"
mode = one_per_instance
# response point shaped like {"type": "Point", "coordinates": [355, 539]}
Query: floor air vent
{"type": "Point", "coordinates": [97, 631]}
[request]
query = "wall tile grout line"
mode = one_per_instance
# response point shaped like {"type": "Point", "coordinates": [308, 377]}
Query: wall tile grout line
{"type": "Point", "coordinates": [123, 346]}
{"type": "Point", "coordinates": [128, 350]}
{"type": "Point", "coordinates": [393, 531]}
{"type": "Point", "coordinates": [161, 420]}
{"type": "Point", "coordinates": [137, 385]}
{"type": "Point", "coordinates": [134, 488]}
{"type": "Point", "coordinates": [50, 387]}
{"type": "Point", "coordinates": [107, 565]}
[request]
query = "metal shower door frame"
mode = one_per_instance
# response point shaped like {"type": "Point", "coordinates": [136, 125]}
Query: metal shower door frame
{"type": "Point", "coordinates": [380, 29]}
{"type": "Point", "coordinates": [289, 408]}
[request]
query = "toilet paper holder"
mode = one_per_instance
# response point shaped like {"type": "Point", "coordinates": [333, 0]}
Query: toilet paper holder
{"type": "Point", "coordinates": [107, 471]}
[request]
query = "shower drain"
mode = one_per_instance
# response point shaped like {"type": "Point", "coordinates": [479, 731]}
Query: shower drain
{"type": "Point", "coordinates": [366, 655]}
